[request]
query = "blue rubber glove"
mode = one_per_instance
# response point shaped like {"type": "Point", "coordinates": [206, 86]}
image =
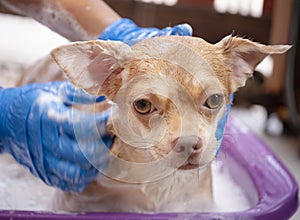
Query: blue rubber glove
{"type": "Point", "coordinates": [128, 32]}
{"type": "Point", "coordinates": [221, 125]}
{"type": "Point", "coordinates": [37, 129]}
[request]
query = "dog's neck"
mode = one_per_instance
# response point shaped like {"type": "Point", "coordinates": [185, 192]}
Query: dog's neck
{"type": "Point", "coordinates": [167, 193]}
{"type": "Point", "coordinates": [181, 190]}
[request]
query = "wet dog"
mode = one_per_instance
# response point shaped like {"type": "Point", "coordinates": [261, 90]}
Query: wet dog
{"type": "Point", "coordinates": [168, 95]}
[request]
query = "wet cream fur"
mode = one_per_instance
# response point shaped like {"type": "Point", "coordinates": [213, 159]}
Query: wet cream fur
{"type": "Point", "coordinates": [177, 75]}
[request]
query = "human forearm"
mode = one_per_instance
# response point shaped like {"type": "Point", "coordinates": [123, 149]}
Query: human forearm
{"type": "Point", "coordinates": [75, 20]}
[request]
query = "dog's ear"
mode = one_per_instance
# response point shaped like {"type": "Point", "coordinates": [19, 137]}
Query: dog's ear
{"type": "Point", "coordinates": [92, 65]}
{"type": "Point", "coordinates": [243, 56]}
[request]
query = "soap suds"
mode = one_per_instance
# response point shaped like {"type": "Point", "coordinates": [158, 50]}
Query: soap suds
{"type": "Point", "coordinates": [19, 190]}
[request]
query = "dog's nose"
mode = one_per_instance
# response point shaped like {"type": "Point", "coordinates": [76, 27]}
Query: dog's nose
{"type": "Point", "coordinates": [188, 144]}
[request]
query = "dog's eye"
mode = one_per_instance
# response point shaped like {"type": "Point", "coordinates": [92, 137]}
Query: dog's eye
{"type": "Point", "coordinates": [214, 101]}
{"type": "Point", "coordinates": [143, 106]}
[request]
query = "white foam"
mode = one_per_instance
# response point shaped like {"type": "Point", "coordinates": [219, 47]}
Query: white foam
{"type": "Point", "coordinates": [228, 196]}
{"type": "Point", "coordinates": [19, 190]}
{"type": "Point", "coordinates": [23, 40]}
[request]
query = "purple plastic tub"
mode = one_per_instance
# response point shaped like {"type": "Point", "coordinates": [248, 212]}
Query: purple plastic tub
{"type": "Point", "coordinates": [265, 180]}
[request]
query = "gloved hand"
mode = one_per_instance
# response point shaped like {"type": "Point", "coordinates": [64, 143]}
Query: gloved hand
{"type": "Point", "coordinates": [37, 129]}
{"type": "Point", "coordinates": [221, 125]}
{"type": "Point", "coordinates": [128, 32]}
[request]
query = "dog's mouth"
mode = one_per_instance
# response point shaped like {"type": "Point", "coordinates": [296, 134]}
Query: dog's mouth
{"type": "Point", "coordinates": [194, 162]}
{"type": "Point", "coordinates": [188, 166]}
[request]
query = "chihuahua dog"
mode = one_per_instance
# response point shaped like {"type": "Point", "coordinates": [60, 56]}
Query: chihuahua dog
{"type": "Point", "coordinates": [167, 95]}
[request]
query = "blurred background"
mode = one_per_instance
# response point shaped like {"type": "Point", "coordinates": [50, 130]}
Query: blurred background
{"type": "Point", "coordinates": [270, 102]}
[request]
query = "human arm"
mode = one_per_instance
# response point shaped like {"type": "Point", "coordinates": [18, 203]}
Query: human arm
{"type": "Point", "coordinates": [88, 19]}
{"type": "Point", "coordinates": [75, 20]}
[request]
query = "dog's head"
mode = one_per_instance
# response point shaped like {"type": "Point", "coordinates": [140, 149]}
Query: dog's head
{"type": "Point", "coordinates": [169, 93]}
